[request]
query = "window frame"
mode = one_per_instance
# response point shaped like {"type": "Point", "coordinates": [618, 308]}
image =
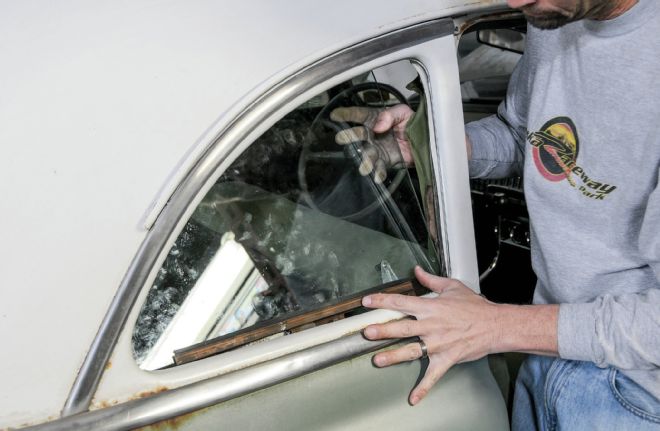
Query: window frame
{"type": "Point", "coordinates": [159, 354]}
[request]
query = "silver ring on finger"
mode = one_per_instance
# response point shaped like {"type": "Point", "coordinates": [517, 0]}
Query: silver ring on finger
{"type": "Point", "coordinates": [425, 352]}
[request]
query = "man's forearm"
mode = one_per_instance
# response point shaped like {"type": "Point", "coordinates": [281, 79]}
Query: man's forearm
{"type": "Point", "coordinates": [527, 328]}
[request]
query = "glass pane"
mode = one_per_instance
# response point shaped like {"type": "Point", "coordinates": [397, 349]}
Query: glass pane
{"type": "Point", "coordinates": [291, 225]}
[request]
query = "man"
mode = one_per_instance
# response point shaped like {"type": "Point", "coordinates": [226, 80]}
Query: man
{"type": "Point", "coordinates": [581, 120]}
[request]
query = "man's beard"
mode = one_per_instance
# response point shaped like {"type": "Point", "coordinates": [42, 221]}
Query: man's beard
{"type": "Point", "coordinates": [549, 21]}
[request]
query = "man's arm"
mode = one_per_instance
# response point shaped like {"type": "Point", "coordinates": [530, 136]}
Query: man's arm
{"type": "Point", "coordinates": [496, 144]}
{"type": "Point", "coordinates": [623, 330]}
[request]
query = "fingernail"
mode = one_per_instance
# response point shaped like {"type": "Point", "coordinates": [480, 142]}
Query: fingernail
{"type": "Point", "coordinates": [414, 400]}
{"type": "Point", "coordinates": [366, 301]}
{"type": "Point", "coordinates": [369, 332]}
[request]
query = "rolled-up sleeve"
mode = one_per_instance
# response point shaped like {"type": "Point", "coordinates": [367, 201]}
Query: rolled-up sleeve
{"type": "Point", "coordinates": [621, 331]}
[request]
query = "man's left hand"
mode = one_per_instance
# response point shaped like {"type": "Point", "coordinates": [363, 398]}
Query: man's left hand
{"type": "Point", "coordinates": [456, 326]}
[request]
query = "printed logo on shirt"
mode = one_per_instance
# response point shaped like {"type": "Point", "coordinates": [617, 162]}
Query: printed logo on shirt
{"type": "Point", "coordinates": [555, 150]}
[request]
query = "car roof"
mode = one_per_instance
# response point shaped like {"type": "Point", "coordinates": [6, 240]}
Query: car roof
{"type": "Point", "coordinates": [104, 106]}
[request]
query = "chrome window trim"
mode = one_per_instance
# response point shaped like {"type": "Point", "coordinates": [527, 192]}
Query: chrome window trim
{"type": "Point", "coordinates": [90, 373]}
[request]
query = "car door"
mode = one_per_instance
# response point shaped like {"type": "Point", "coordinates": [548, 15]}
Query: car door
{"type": "Point", "coordinates": [242, 308]}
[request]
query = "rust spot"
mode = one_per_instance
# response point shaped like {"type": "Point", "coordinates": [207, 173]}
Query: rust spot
{"type": "Point", "coordinates": [169, 424]}
{"type": "Point", "coordinates": [146, 394]}
{"type": "Point", "coordinates": [102, 404]}
{"type": "Point", "coordinates": [108, 365]}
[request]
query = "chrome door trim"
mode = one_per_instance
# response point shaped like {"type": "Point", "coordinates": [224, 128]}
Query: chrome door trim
{"type": "Point", "coordinates": [205, 393]}
{"type": "Point", "coordinates": [90, 373]}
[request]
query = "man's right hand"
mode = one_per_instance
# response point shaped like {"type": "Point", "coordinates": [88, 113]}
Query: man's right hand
{"type": "Point", "coordinates": [383, 134]}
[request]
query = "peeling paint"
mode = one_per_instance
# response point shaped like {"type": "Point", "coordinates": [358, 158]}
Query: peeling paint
{"type": "Point", "coordinates": [146, 394]}
{"type": "Point", "coordinates": [105, 404]}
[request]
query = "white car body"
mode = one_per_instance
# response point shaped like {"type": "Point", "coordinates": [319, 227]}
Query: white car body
{"type": "Point", "coordinates": [106, 108]}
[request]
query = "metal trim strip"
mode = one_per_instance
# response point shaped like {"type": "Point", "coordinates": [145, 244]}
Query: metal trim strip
{"type": "Point", "coordinates": [186, 399]}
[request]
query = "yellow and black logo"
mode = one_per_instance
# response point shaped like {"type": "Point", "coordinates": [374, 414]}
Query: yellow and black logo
{"type": "Point", "coordinates": [555, 151]}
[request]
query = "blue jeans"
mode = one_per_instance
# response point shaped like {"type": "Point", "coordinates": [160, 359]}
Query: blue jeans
{"type": "Point", "coordinates": [556, 394]}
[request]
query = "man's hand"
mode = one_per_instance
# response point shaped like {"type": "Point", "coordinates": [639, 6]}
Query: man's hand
{"type": "Point", "coordinates": [383, 133]}
{"type": "Point", "coordinates": [458, 326]}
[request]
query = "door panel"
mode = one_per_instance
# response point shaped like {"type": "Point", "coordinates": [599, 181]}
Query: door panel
{"type": "Point", "coordinates": [357, 396]}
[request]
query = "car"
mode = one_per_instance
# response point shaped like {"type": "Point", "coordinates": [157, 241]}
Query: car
{"type": "Point", "coordinates": [185, 244]}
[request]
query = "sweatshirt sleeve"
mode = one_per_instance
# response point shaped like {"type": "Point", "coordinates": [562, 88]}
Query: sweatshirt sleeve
{"type": "Point", "coordinates": [498, 141]}
{"type": "Point", "coordinates": [622, 331]}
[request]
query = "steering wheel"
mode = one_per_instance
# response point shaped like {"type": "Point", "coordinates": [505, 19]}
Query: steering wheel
{"type": "Point", "coordinates": [322, 127]}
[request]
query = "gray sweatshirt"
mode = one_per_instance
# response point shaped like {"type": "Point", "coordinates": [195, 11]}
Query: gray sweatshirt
{"type": "Point", "coordinates": [581, 122]}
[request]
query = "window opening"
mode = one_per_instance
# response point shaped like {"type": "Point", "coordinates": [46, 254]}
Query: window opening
{"type": "Point", "coordinates": [290, 229]}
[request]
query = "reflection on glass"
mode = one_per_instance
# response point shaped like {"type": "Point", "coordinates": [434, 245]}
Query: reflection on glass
{"type": "Point", "coordinates": [219, 302]}
{"type": "Point", "coordinates": [289, 226]}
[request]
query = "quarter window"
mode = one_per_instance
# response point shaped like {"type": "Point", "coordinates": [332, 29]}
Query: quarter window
{"type": "Point", "coordinates": [289, 227]}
